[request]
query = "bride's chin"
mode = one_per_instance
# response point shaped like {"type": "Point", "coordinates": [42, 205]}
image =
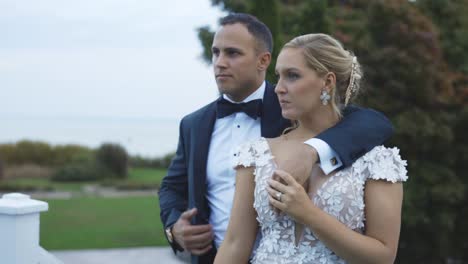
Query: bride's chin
{"type": "Point", "coordinates": [289, 115]}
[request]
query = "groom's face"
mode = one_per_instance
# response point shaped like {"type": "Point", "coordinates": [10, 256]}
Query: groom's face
{"type": "Point", "coordinates": [235, 61]}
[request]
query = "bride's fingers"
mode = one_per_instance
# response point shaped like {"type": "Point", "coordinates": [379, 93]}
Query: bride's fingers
{"type": "Point", "coordinates": [278, 186]}
{"type": "Point", "coordinates": [273, 193]}
{"type": "Point", "coordinates": [275, 203]}
{"type": "Point", "coordinates": [286, 177]}
{"type": "Point", "coordinates": [277, 177]}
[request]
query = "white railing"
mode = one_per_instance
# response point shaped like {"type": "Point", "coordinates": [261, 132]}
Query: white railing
{"type": "Point", "coordinates": [19, 231]}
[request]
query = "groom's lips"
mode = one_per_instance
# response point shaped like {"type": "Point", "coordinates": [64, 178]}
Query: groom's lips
{"type": "Point", "coordinates": [223, 76]}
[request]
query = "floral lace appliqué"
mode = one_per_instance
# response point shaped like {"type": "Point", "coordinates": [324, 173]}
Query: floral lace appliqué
{"type": "Point", "coordinates": [341, 196]}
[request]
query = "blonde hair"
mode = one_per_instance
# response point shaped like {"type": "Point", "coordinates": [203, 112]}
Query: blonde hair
{"type": "Point", "coordinates": [325, 54]}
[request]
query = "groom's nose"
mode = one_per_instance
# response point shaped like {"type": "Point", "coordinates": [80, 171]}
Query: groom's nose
{"type": "Point", "coordinates": [220, 61]}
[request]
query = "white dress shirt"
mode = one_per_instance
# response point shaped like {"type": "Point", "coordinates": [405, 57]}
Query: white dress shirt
{"type": "Point", "coordinates": [228, 133]}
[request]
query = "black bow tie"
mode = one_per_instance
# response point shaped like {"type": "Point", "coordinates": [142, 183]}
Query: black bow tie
{"type": "Point", "coordinates": [252, 108]}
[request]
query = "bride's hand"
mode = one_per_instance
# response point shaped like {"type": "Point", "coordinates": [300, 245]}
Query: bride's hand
{"type": "Point", "coordinates": [299, 162]}
{"type": "Point", "coordinates": [293, 198]}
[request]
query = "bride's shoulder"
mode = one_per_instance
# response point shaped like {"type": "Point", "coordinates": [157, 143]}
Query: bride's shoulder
{"type": "Point", "coordinates": [251, 152]}
{"type": "Point", "coordinates": [383, 163]}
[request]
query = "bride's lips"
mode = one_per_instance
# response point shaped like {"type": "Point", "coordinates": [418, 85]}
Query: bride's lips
{"type": "Point", "coordinates": [283, 102]}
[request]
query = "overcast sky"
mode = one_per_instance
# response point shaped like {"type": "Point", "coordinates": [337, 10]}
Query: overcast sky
{"type": "Point", "coordinates": [99, 58]}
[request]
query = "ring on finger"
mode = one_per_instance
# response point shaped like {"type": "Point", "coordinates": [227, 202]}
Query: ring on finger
{"type": "Point", "coordinates": [278, 196]}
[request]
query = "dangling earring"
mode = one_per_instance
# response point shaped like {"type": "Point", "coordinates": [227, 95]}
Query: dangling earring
{"type": "Point", "coordinates": [325, 97]}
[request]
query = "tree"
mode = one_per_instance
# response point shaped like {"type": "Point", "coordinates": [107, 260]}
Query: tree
{"type": "Point", "coordinates": [114, 158]}
{"type": "Point", "coordinates": [414, 55]}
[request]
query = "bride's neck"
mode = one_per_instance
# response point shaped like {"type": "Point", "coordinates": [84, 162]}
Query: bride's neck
{"type": "Point", "coordinates": [315, 123]}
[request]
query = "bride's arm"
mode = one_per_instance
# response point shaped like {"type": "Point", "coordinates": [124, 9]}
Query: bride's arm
{"type": "Point", "coordinates": [383, 216]}
{"type": "Point", "coordinates": [242, 229]}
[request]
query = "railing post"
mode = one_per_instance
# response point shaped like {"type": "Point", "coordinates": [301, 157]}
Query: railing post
{"type": "Point", "coordinates": [19, 231]}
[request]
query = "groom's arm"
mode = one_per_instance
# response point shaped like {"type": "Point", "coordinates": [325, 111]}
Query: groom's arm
{"type": "Point", "coordinates": [173, 193]}
{"type": "Point", "coordinates": [338, 147]}
{"type": "Point", "coordinates": [358, 132]}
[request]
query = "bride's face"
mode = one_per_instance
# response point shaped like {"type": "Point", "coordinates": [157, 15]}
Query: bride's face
{"type": "Point", "coordinates": [299, 87]}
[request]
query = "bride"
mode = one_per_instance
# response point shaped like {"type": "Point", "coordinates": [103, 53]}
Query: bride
{"type": "Point", "coordinates": [351, 216]}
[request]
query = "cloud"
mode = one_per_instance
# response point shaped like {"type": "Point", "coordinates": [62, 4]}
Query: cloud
{"type": "Point", "coordinates": [104, 58]}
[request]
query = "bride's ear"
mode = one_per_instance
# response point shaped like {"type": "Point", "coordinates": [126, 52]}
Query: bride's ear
{"type": "Point", "coordinates": [330, 81]}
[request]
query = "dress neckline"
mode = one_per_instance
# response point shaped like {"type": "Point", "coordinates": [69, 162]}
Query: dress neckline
{"type": "Point", "coordinates": [296, 242]}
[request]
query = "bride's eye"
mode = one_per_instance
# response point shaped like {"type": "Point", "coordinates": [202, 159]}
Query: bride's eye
{"type": "Point", "coordinates": [293, 76]}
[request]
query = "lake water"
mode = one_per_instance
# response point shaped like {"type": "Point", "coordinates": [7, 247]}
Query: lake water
{"type": "Point", "coordinates": [145, 137]}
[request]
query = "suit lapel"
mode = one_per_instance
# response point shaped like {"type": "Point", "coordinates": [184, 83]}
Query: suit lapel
{"type": "Point", "coordinates": [202, 139]}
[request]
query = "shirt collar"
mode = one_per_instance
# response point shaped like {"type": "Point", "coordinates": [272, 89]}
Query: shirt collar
{"type": "Point", "coordinates": [258, 94]}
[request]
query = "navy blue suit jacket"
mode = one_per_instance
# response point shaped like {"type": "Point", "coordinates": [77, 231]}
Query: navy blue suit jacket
{"type": "Point", "coordinates": [184, 186]}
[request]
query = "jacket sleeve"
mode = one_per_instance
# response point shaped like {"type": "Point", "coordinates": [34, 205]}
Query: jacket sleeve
{"type": "Point", "coordinates": [173, 191]}
{"type": "Point", "coordinates": [359, 131]}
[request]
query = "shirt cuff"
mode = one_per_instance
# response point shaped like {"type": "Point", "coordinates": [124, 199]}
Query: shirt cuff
{"type": "Point", "coordinates": [329, 160]}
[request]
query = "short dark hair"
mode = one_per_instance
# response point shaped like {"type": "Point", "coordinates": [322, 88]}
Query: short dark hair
{"type": "Point", "coordinates": [257, 28]}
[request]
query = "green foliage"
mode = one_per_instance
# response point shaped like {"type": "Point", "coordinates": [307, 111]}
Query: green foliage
{"type": "Point", "coordinates": [80, 172]}
{"type": "Point", "coordinates": [205, 35]}
{"type": "Point", "coordinates": [450, 17]}
{"type": "Point", "coordinates": [114, 158]}
{"type": "Point", "coordinates": [267, 12]}
{"type": "Point", "coordinates": [414, 55]}
{"type": "Point", "coordinates": [27, 152]}
{"type": "Point", "coordinates": [145, 178]}
{"type": "Point", "coordinates": [41, 153]}
{"type": "Point", "coordinates": [2, 168]}
{"type": "Point", "coordinates": [67, 154]}
{"type": "Point", "coordinates": [161, 163]}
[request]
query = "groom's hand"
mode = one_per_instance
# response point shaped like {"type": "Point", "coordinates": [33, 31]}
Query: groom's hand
{"type": "Point", "coordinates": [196, 239]}
{"type": "Point", "coordinates": [301, 158]}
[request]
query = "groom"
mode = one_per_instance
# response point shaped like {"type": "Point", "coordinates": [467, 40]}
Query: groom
{"type": "Point", "coordinates": [196, 194]}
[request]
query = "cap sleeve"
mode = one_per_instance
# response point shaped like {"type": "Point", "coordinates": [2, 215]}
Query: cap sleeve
{"type": "Point", "coordinates": [383, 163]}
{"type": "Point", "coordinates": [253, 153]}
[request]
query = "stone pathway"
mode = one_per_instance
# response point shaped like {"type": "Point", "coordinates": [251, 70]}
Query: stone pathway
{"type": "Point", "coordinates": [145, 255]}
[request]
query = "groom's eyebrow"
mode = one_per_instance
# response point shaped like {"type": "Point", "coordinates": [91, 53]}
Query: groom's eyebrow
{"type": "Point", "coordinates": [233, 49]}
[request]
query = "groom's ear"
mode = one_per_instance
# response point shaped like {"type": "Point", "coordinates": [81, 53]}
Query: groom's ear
{"type": "Point", "coordinates": [264, 60]}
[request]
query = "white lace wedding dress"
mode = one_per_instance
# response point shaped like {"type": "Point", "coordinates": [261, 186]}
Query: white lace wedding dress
{"type": "Point", "coordinates": [341, 196]}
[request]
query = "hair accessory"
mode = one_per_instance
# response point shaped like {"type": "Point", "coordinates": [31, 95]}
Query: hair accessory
{"type": "Point", "coordinates": [352, 79]}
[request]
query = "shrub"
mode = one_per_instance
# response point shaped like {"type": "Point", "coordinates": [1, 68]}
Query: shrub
{"type": "Point", "coordinates": [114, 158]}
{"type": "Point", "coordinates": [27, 171]}
{"type": "Point", "coordinates": [26, 151]}
{"type": "Point", "coordinates": [163, 162]}
{"type": "Point", "coordinates": [40, 153]}
{"type": "Point", "coordinates": [80, 172]}
{"type": "Point", "coordinates": [66, 154]}
{"type": "Point", "coordinates": [1, 169]}
{"type": "Point", "coordinates": [166, 160]}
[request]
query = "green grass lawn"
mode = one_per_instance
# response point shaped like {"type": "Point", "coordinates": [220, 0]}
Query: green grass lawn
{"type": "Point", "coordinates": [146, 175]}
{"type": "Point", "coordinates": [81, 223]}
{"type": "Point", "coordinates": [136, 177]}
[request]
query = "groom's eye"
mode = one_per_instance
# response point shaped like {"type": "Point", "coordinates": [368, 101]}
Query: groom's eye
{"type": "Point", "coordinates": [232, 52]}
